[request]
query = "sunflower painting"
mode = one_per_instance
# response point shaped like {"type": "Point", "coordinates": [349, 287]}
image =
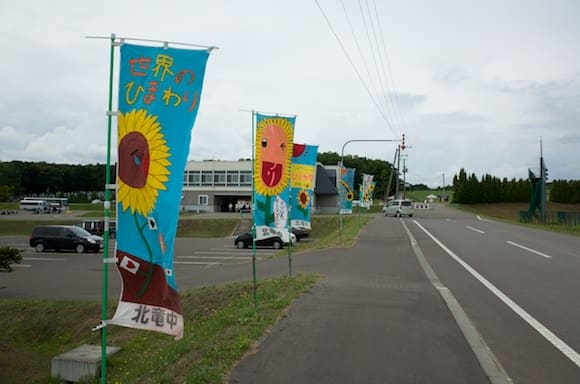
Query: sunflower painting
{"type": "Point", "coordinates": [143, 161]}
{"type": "Point", "coordinates": [273, 153]}
{"type": "Point", "coordinates": [157, 107]}
{"type": "Point", "coordinates": [346, 193]}
{"type": "Point", "coordinates": [302, 180]}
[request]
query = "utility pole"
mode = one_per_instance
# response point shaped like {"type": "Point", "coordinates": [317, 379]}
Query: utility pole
{"type": "Point", "coordinates": [404, 180]}
{"type": "Point", "coordinates": [391, 176]}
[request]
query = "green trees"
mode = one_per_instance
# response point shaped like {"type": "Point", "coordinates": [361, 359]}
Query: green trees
{"type": "Point", "coordinates": [490, 189]}
{"type": "Point", "coordinates": [565, 191]}
{"type": "Point", "coordinates": [18, 178]}
{"type": "Point", "coordinates": [381, 170]}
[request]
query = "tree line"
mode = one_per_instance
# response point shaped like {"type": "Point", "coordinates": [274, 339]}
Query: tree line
{"type": "Point", "coordinates": [490, 189]}
{"type": "Point", "coordinates": [80, 183]}
{"type": "Point", "coordinates": [565, 191]}
{"type": "Point", "coordinates": [380, 169]}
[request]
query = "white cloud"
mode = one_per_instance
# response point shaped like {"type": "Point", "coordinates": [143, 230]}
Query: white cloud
{"type": "Point", "coordinates": [477, 84]}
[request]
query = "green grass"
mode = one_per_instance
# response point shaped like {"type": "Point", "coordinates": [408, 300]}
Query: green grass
{"type": "Point", "coordinates": [221, 325]}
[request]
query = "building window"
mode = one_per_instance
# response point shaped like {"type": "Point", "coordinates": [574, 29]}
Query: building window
{"type": "Point", "coordinates": [202, 200]}
{"type": "Point", "coordinates": [194, 178]}
{"type": "Point", "coordinates": [245, 178]}
{"type": "Point", "coordinates": [206, 178]}
{"type": "Point", "coordinates": [219, 178]}
{"type": "Point", "coordinates": [233, 178]}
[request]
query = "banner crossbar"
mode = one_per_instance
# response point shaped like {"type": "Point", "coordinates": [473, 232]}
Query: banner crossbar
{"type": "Point", "coordinates": [164, 42]}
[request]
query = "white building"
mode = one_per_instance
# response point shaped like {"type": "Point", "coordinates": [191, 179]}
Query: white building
{"type": "Point", "coordinates": [215, 186]}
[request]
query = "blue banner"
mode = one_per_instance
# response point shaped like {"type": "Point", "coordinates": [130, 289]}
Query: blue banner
{"type": "Point", "coordinates": [302, 181]}
{"type": "Point", "coordinates": [346, 190]}
{"type": "Point", "coordinates": [273, 154]}
{"type": "Point", "coordinates": [159, 95]}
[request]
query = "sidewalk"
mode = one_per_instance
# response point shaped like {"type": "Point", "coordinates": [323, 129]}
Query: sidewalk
{"type": "Point", "coordinates": [374, 318]}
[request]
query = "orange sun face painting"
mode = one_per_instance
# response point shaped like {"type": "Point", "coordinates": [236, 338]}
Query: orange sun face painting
{"type": "Point", "coordinates": [273, 155]}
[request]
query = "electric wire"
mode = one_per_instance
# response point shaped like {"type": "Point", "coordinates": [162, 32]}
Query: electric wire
{"type": "Point", "coordinates": [360, 52]}
{"type": "Point", "coordinates": [389, 70]}
{"type": "Point", "coordinates": [352, 65]}
{"type": "Point", "coordinates": [387, 94]}
{"type": "Point", "coordinates": [371, 48]}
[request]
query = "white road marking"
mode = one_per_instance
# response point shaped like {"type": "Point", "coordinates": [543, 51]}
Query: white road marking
{"type": "Point", "coordinates": [482, 219]}
{"type": "Point", "coordinates": [41, 259]}
{"type": "Point", "coordinates": [529, 249]}
{"type": "Point", "coordinates": [216, 257]}
{"type": "Point", "coordinates": [489, 362]}
{"type": "Point", "coordinates": [196, 263]}
{"type": "Point", "coordinates": [450, 220]}
{"type": "Point", "coordinates": [475, 229]}
{"type": "Point", "coordinates": [21, 265]}
{"type": "Point", "coordinates": [539, 327]}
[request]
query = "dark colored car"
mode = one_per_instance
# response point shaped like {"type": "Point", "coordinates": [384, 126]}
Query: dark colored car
{"type": "Point", "coordinates": [300, 233]}
{"type": "Point", "coordinates": [97, 227]}
{"type": "Point", "coordinates": [64, 237]}
{"type": "Point", "coordinates": [245, 241]}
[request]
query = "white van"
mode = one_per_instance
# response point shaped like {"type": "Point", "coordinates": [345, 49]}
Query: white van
{"type": "Point", "coordinates": [399, 208]}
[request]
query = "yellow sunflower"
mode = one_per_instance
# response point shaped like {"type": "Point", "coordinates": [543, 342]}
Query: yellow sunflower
{"type": "Point", "coordinates": [371, 187]}
{"type": "Point", "coordinates": [274, 147]}
{"type": "Point", "coordinates": [303, 198]}
{"type": "Point", "coordinates": [143, 161]}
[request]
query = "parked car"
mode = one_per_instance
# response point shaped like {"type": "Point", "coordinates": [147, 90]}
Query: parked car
{"type": "Point", "coordinates": [245, 241]}
{"type": "Point", "coordinates": [399, 208]}
{"type": "Point", "coordinates": [64, 237]}
{"type": "Point", "coordinates": [97, 227]}
{"type": "Point", "coordinates": [300, 233]}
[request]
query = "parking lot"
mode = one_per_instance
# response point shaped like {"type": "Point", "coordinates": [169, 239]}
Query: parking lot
{"type": "Point", "coordinates": [72, 275]}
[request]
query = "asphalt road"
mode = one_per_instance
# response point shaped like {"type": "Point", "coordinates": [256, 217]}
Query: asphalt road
{"type": "Point", "coordinates": [384, 311]}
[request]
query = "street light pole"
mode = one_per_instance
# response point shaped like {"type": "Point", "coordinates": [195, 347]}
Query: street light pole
{"type": "Point", "coordinates": [341, 165]}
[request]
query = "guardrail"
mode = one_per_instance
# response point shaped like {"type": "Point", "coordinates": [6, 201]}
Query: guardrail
{"type": "Point", "coordinates": [566, 219]}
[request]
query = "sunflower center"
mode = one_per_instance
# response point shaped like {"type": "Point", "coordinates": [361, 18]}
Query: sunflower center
{"type": "Point", "coordinates": [303, 198]}
{"type": "Point", "coordinates": [134, 160]}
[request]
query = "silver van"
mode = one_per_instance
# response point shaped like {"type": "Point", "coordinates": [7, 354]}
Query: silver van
{"type": "Point", "coordinates": [399, 208]}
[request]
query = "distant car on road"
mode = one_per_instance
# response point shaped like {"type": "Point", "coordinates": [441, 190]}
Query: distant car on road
{"type": "Point", "coordinates": [245, 241]}
{"type": "Point", "coordinates": [399, 208]}
{"type": "Point", "coordinates": [64, 237]}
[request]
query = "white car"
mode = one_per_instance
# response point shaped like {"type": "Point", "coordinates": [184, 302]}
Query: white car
{"type": "Point", "coordinates": [399, 208]}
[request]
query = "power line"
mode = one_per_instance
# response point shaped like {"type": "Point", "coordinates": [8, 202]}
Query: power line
{"type": "Point", "coordinates": [390, 72]}
{"type": "Point", "coordinates": [359, 48]}
{"type": "Point", "coordinates": [352, 64]}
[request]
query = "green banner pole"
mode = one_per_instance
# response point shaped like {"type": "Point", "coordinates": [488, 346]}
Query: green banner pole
{"type": "Point", "coordinates": [290, 226]}
{"type": "Point", "coordinates": [253, 220]}
{"type": "Point", "coordinates": [107, 205]}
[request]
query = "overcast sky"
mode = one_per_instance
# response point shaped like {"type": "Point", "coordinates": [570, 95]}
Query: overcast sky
{"type": "Point", "coordinates": [472, 84]}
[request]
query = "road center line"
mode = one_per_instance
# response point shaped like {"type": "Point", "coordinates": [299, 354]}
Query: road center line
{"type": "Point", "coordinates": [475, 229]}
{"type": "Point", "coordinates": [41, 259]}
{"type": "Point", "coordinates": [529, 249]}
{"type": "Point", "coordinates": [539, 327]}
